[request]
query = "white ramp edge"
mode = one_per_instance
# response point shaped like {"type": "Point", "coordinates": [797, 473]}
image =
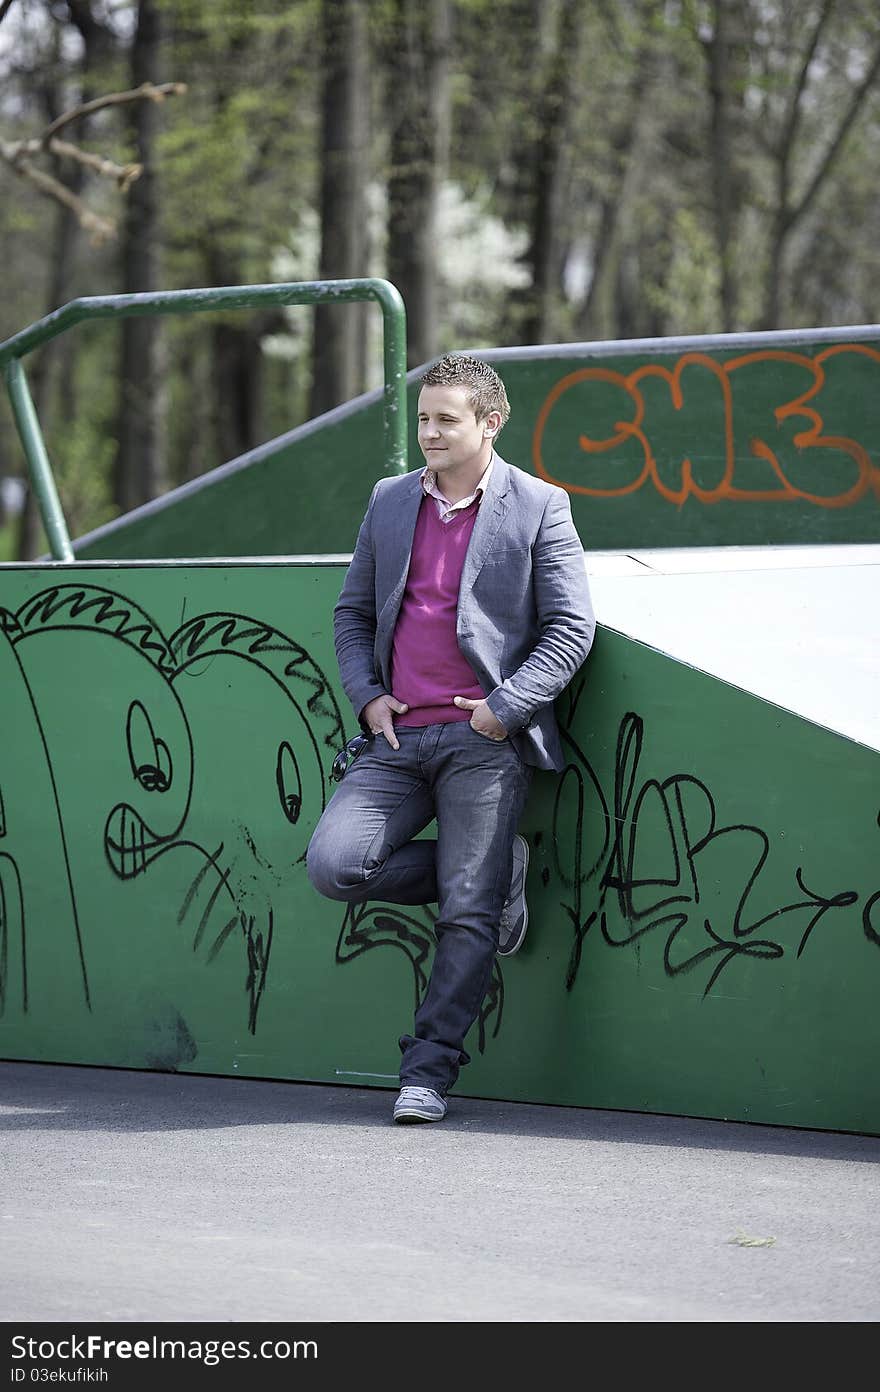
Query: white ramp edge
{"type": "Point", "coordinates": [798, 626]}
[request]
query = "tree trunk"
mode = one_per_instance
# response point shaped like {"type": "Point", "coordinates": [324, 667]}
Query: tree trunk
{"type": "Point", "coordinates": [139, 470]}
{"type": "Point", "coordinates": [236, 381]}
{"type": "Point", "coordinates": [718, 56]}
{"type": "Point", "coordinates": [597, 316]}
{"type": "Point", "coordinates": [56, 357]}
{"type": "Point", "coordinates": [419, 104]}
{"type": "Point", "coordinates": [29, 534]}
{"type": "Point", "coordinates": [540, 323]}
{"type": "Point", "coordinates": [338, 352]}
{"type": "Point", "coordinates": [788, 213]}
{"type": "Point", "coordinates": [193, 369]}
{"type": "Point", "coordinates": [41, 368]}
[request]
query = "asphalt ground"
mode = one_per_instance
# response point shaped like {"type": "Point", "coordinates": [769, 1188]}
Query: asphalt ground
{"type": "Point", "coordinates": [137, 1197]}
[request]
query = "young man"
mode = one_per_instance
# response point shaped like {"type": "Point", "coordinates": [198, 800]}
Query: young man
{"type": "Point", "coordinates": [464, 613]}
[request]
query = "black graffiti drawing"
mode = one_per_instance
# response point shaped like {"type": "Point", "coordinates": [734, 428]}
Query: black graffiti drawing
{"type": "Point", "coordinates": [872, 930]}
{"type": "Point", "coordinates": [368, 926]}
{"type": "Point", "coordinates": [12, 928]}
{"type": "Point", "coordinates": [175, 773]}
{"type": "Point", "coordinates": [614, 894]}
{"type": "Point", "coordinates": [293, 671]}
{"type": "Point", "coordinates": [174, 757]}
{"type": "Point", "coordinates": [21, 714]}
{"type": "Point", "coordinates": [227, 898]}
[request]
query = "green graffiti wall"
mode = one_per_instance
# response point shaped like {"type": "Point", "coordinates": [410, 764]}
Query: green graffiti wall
{"type": "Point", "coordinates": [739, 440]}
{"type": "Point", "coordinates": [704, 883]}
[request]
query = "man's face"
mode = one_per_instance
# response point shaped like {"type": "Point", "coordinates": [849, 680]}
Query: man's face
{"type": "Point", "coordinates": [450, 437]}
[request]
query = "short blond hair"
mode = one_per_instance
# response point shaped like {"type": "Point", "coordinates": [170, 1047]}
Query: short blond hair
{"type": "Point", "coordinates": [485, 390]}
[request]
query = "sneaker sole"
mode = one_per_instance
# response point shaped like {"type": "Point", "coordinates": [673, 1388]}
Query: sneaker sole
{"type": "Point", "coordinates": [510, 950]}
{"type": "Point", "coordinates": [513, 948]}
{"type": "Point", "coordinates": [415, 1117]}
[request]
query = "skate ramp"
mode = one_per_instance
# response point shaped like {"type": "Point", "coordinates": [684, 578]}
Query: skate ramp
{"type": "Point", "coordinates": [704, 886]}
{"type": "Point", "coordinates": [798, 626]}
{"type": "Point", "coordinates": [723, 440]}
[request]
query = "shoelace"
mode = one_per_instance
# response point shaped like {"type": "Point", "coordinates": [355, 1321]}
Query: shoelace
{"type": "Point", "coordinates": [418, 1094]}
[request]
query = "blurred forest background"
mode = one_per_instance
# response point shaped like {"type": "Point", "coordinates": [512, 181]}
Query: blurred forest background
{"type": "Point", "coordinates": [524, 171]}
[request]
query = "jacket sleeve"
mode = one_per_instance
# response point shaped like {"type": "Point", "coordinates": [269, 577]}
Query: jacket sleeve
{"type": "Point", "coordinates": [354, 620]}
{"type": "Point", "coordinates": [566, 621]}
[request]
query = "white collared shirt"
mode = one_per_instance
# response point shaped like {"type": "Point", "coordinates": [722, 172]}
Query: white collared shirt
{"type": "Point", "coordinates": [445, 509]}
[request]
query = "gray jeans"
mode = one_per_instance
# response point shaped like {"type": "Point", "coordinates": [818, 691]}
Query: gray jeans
{"type": "Point", "coordinates": [363, 848]}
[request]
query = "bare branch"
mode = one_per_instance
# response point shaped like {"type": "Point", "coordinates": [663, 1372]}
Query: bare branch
{"type": "Point", "coordinates": [843, 130]}
{"type": "Point", "coordinates": [122, 174]}
{"type": "Point", "coordinates": [17, 154]}
{"type": "Point", "coordinates": [787, 135]}
{"type": "Point", "coordinates": [146, 92]}
{"type": "Point", "coordinates": [99, 227]}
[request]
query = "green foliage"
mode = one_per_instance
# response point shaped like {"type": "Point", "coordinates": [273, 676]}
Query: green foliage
{"type": "Point", "coordinates": [84, 477]}
{"type": "Point", "coordinates": [238, 167]}
{"type": "Point", "coordinates": [7, 542]}
{"type": "Point", "coordinates": [82, 448]}
{"type": "Point", "coordinates": [687, 297]}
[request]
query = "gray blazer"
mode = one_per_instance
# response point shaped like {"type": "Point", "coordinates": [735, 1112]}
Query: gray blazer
{"type": "Point", "coordinates": [525, 620]}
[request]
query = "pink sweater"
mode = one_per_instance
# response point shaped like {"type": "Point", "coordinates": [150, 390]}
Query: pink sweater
{"type": "Point", "coordinates": [427, 667]}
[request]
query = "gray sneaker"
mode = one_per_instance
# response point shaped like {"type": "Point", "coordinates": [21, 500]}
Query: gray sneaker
{"type": "Point", "coordinates": [419, 1104]}
{"type": "Point", "coordinates": [515, 914]}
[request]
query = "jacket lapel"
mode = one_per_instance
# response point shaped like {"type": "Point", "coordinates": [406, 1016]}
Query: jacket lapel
{"type": "Point", "coordinates": [397, 541]}
{"type": "Point", "coordinates": [490, 516]}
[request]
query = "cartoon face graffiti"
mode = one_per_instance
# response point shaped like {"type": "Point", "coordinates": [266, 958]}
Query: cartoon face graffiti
{"type": "Point", "coordinates": [196, 766]}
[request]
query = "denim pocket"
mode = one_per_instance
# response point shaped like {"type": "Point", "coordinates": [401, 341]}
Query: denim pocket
{"type": "Point", "coordinates": [488, 739]}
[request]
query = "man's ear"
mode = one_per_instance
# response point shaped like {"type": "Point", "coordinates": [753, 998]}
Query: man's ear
{"type": "Point", "coordinates": [491, 425]}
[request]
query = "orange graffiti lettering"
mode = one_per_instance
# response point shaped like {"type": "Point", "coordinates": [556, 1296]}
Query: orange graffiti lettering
{"type": "Point", "coordinates": [800, 408]}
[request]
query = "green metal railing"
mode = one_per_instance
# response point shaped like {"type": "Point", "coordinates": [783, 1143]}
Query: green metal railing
{"type": "Point", "coordinates": [193, 302]}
